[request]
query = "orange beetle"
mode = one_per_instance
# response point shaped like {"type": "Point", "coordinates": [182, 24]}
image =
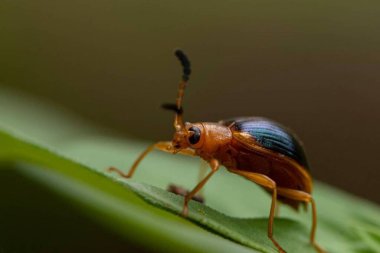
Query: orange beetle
{"type": "Point", "coordinates": [258, 149]}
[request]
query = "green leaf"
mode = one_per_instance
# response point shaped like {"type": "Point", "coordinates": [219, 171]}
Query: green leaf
{"type": "Point", "coordinates": [70, 157]}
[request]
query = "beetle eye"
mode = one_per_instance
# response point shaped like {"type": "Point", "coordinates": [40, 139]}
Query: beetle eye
{"type": "Point", "coordinates": [196, 136]}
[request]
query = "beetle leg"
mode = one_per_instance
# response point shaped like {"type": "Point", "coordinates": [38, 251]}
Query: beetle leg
{"type": "Point", "coordinates": [268, 183]}
{"type": "Point", "coordinates": [305, 197]}
{"type": "Point", "coordinates": [165, 146]}
{"type": "Point", "coordinates": [203, 166]}
{"type": "Point", "coordinates": [277, 209]}
{"type": "Point", "coordinates": [178, 190]}
{"type": "Point", "coordinates": [214, 164]}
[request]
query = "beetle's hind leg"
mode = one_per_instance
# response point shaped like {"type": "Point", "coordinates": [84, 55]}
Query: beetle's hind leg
{"type": "Point", "coordinates": [165, 146]}
{"type": "Point", "coordinates": [277, 209]}
{"type": "Point", "coordinates": [307, 198]}
{"type": "Point", "coordinates": [268, 183]}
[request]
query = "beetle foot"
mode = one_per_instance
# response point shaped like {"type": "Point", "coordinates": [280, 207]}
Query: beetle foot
{"type": "Point", "coordinates": [280, 249]}
{"type": "Point", "coordinates": [185, 211]}
{"type": "Point", "coordinates": [120, 172]}
{"type": "Point", "coordinates": [318, 248]}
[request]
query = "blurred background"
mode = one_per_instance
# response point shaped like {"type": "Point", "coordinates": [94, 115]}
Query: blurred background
{"type": "Point", "coordinates": [311, 65]}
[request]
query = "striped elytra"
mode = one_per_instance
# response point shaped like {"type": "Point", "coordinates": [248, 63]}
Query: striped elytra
{"type": "Point", "coordinates": [271, 135]}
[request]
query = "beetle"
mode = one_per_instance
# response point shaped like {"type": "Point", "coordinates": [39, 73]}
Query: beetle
{"type": "Point", "coordinates": [258, 149]}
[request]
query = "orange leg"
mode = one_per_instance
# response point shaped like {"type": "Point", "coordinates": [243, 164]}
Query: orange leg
{"type": "Point", "coordinates": [305, 197]}
{"type": "Point", "coordinates": [183, 192]}
{"type": "Point", "coordinates": [277, 210]}
{"type": "Point", "coordinates": [165, 146]}
{"type": "Point", "coordinates": [214, 164]}
{"type": "Point", "coordinates": [203, 167]}
{"type": "Point", "coordinates": [266, 182]}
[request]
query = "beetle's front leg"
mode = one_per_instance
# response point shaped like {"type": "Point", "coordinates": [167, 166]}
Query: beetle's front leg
{"type": "Point", "coordinates": [214, 164]}
{"type": "Point", "coordinates": [165, 146]}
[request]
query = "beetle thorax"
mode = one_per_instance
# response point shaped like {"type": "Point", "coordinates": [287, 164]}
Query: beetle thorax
{"type": "Point", "coordinates": [215, 138]}
{"type": "Point", "coordinates": [207, 139]}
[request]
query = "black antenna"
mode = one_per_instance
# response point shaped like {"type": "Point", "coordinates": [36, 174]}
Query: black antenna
{"type": "Point", "coordinates": [177, 107]}
{"type": "Point", "coordinates": [172, 107]}
{"type": "Point", "coordinates": [185, 64]}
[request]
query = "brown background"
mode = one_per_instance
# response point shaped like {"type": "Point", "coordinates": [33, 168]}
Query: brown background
{"type": "Point", "coordinates": [312, 65]}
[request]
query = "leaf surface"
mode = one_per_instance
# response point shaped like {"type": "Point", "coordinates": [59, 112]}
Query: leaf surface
{"type": "Point", "coordinates": [70, 157]}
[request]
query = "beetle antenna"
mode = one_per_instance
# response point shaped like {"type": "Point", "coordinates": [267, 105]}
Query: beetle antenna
{"type": "Point", "coordinates": [177, 107]}
{"type": "Point", "coordinates": [172, 107]}
{"type": "Point", "coordinates": [185, 64]}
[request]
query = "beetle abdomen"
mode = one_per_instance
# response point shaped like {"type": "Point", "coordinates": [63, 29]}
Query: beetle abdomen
{"type": "Point", "coordinates": [271, 135]}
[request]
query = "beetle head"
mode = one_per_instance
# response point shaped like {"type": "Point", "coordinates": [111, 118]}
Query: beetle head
{"type": "Point", "coordinates": [191, 136]}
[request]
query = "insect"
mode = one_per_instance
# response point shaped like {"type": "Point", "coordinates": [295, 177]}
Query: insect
{"type": "Point", "coordinates": [257, 149]}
